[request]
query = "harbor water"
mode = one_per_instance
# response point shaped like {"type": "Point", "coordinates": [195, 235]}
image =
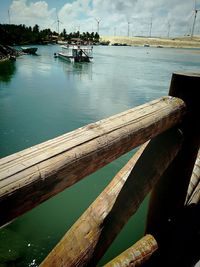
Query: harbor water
{"type": "Point", "coordinates": [42, 97]}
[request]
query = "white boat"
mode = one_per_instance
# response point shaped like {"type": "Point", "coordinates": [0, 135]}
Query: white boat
{"type": "Point", "coordinates": [76, 53]}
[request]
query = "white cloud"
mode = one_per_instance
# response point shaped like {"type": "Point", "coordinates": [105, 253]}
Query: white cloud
{"type": "Point", "coordinates": [176, 15]}
{"type": "Point", "coordinates": [31, 14]}
{"type": "Point", "coordinates": [76, 15]}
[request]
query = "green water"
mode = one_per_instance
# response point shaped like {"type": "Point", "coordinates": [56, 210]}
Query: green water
{"type": "Point", "coordinates": [42, 97]}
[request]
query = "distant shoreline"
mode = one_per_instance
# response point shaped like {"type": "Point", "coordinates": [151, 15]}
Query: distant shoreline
{"type": "Point", "coordinates": [181, 42]}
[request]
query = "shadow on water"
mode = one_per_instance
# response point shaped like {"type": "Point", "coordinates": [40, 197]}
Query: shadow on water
{"type": "Point", "coordinates": [7, 70]}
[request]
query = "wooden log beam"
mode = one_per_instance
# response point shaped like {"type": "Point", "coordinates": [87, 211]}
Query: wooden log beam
{"type": "Point", "coordinates": [193, 193]}
{"type": "Point", "coordinates": [83, 234]}
{"type": "Point", "coordinates": [30, 177]}
{"type": "Point", "coordinates": [88, 239]}
{"type": "Point", "coordinates": [169, 194]}
{"type": "Point", "coordinates": [137, 254]}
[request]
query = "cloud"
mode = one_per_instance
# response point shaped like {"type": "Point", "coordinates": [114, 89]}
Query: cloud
{"type": "Point", "coordinates": [75, 15]}
{"type": "Point", "coordinates": [142, 16]}
{"type": "Point", "coordinates": [32, 13]}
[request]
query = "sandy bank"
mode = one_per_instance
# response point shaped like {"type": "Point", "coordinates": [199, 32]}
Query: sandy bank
{"type": "Point", "coordinates": [183, 42]}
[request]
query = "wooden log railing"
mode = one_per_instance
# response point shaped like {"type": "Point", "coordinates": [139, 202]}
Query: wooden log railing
{"type": "Point", "coordinates": [30, 177]}
{"type": "Point", "coordinates": [102, 221]}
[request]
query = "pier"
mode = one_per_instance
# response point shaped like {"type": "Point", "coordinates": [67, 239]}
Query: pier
{"type": "Point", "coordinates": [166, 132]}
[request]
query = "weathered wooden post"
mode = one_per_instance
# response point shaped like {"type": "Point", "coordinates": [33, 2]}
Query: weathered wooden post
{"type": "Point", "coordinates": [193, 193]}
{"type": "Point", "coordinates": [136, 255]}
{"type": "Point", "coordinates": [170, 192]}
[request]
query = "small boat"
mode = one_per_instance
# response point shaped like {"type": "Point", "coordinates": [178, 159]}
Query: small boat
{"type": "Point", "coordinates": [29, 50]}
{"type": "Point", "coordinates": [76, 53]}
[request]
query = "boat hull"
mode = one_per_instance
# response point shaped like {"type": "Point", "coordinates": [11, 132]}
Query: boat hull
{"type": "Point", "coordinates": [75, 59]}
{"type": "Point", "coordinates": [29, 50]}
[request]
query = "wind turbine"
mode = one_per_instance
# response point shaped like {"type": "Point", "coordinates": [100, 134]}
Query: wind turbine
{"type": "Point", "coordinates": [58, 23]}
{"type": "Point", "coordinates": [115, 29]}
{"type": "Point", "coordinates": [195, 16]}
{"type": "Point", "coordinates": [150, 26]}
{"type": "Point", "coordinates": [9, 16]}
{"type": "Point", "coordinates": [128, 30]}
{"type": "Point", "coordinates": [169, 27]}
{"type": "Point", "coordinates": [98, 21]}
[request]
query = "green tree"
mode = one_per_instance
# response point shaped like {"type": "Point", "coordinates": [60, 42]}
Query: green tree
{"type": "Point", "coordinates": [96, 37]}
{"type": "Point", "coordinates": [36, 29]}
{"type": "Point", "coordinates": [64, 34]}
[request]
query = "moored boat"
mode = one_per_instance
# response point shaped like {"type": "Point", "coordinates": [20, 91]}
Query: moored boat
{"type": "Point", "coordinates": [76, 53]}
{"type": "Point", "coordinates": [29, 50]}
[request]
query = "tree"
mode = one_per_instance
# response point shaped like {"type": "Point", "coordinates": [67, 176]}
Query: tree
{"type": "Point", "coordinates": [64, 34]}
{"type": "Point", "coordinates": [36, 29]}
{"type": "Point", "coordinates": [96, 37]}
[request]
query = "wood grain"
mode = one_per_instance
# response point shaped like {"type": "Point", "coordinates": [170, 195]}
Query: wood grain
{"type": "Point", "coordinates": [88, 239]}
{"type": "Point", "coordinates": [33, 175]}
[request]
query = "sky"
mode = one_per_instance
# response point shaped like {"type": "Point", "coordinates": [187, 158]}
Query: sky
{"type": "Point", "coordinates": [161, 18]}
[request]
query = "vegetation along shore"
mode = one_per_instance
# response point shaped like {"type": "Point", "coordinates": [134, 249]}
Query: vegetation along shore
{"type": "Point", "coordinates": [20, 34]}
{"type": "Point", "coordinates": [12, 35]}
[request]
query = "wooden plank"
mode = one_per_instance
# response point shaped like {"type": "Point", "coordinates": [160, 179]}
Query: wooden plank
{"type": "Point", "coordinates": [169, 194]}
{"type": "Point", "coordinates": [88, 239]}
{"type": "Point", "coordinates": [30, 177]}
{"type": "Point", "coordinates": [137, 254]}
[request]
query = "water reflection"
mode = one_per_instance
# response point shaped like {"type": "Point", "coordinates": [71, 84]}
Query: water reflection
{"type": "Point", "coordinates": [80, 70]}
{"type": "Point", "coordinates": [7, 70]}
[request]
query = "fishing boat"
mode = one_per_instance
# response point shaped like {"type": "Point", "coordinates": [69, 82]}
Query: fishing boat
{"type": "Point", "coordinates": [29, 50]}
{"type": "Point", "coordinates": [76, 53]}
